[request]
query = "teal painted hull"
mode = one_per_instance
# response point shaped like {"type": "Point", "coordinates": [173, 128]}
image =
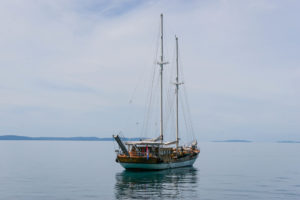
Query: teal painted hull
{"type": "Point", "coordinates": [159, 166]}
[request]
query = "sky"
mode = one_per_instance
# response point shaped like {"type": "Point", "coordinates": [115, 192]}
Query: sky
{"type": "Point", "coordinates": [78, 68]}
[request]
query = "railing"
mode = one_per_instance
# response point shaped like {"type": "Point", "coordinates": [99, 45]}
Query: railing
{"type": "Point", "coordinates": [151, 154]}
{"type": "Point", "coordinates": [141, 154]}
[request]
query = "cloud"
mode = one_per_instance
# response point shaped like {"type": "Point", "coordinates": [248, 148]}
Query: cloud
{"type": "Point", "coordinates": [75, 64]}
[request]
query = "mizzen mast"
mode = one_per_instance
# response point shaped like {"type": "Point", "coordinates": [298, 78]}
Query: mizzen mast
{"type": "Point", "coordinates": [161, 64]}
{"type": "Point", "coordinates": [177, 83]}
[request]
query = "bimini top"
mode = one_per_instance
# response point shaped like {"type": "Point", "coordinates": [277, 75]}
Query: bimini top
{"type": "Point", "coordinates": [147, 142]}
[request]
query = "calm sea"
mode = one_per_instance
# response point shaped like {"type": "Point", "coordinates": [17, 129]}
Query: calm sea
{"type": "Point", "coordinates": [87, 170]}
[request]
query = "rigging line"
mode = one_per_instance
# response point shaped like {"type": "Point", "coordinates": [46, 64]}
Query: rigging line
{"type": "Point", "coordinates": [170, 120]}
{"type": "Point", "coordinates": [170, 96]}
{"type": "Point", "coordinates": [115, 145]}
{"type": "Point", "coordinates": [184, 103]}
{"type": "Point", "coordinates": [188, 108]}
{"type": "Point", "coordinates": [153, 112]}
{"type": "Point", "coordinates": [140, 78]}
{"type": "Point", "coordinates": [148, 100]}
{"type": "Point", "coordinates": [171, 123]}
{"type": "Point", "coordinates": [170, 111]}
{"type": "Point", "coordinates": [149, 104]}
{"type": "Point", "coordinates": [170, 106]}
{"type": "Point", "coordinates": [169, 99]}
{"type": "Point", "coordinates": [150, 91]}
{"type": "Point", "coordinates": [172, 74]}
{"type": "Point", "coordinates": [154, 103]}
{"type": "Point", "coordinates": [187, 101]}
{"type": "Point", "coordinates": [188, 111]}
{"type": "Point", "coordinates": [170, 103]}
{"type": "Point", "coordinates": [185, 117]}
{"type": "Point", "coordinates": [183, 114]}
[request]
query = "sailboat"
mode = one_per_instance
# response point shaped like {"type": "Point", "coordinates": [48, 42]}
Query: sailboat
{"type": "Point", "coordinates": [157, 154]}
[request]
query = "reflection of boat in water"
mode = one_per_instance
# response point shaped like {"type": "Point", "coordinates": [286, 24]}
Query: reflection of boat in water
{"type": "Point", "coordinates": [156, 154]}
{"type": "Point", "coordinates": [156, 184]}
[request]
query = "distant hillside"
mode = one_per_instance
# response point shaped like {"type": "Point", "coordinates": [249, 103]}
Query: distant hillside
{"type": "Point", "coordinates": [16, 137]}
{"type": "Point", "coordinates": [246, 141]}
{"type": "Point", "coordinates": [288, 141]}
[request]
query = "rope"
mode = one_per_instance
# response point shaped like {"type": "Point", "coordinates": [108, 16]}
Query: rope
{"type": "Point", "coordinates": [149, 97]}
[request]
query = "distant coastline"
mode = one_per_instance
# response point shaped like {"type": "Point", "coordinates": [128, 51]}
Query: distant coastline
{"type": "Point", "coordinates": [17, 137]}
{"type": "Point", "coordinates": [288, 141]}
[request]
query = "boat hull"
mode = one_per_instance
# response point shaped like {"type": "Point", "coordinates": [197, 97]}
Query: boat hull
{"type": "Point", "coordinates": [157, 166]}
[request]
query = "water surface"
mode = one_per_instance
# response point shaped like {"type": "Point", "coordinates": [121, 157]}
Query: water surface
{"type": "Point", "coordinates": [87, 170]}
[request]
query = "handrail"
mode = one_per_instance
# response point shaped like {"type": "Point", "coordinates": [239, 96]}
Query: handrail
{"type": "Point", "coordinates": [140, 154]}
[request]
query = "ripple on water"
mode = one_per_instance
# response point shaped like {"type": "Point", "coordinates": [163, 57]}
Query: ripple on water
{"type": "Point", "coordinates": [156, 184]}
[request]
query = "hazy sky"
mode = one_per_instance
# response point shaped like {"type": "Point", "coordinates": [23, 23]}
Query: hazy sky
{"type": "Point", "coordinates": [70, 67]}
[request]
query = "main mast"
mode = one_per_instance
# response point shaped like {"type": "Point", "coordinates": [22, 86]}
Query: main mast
{"type": "Point", "coordinates": [161, 63]}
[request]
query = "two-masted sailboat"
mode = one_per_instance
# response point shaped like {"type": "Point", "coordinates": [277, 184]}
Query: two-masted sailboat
{"type": "Point", "coordinates": [156, 154]}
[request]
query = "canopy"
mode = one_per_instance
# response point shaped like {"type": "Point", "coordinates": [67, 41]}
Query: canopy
{"type": "Point", "coordinates": [145, 142]}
